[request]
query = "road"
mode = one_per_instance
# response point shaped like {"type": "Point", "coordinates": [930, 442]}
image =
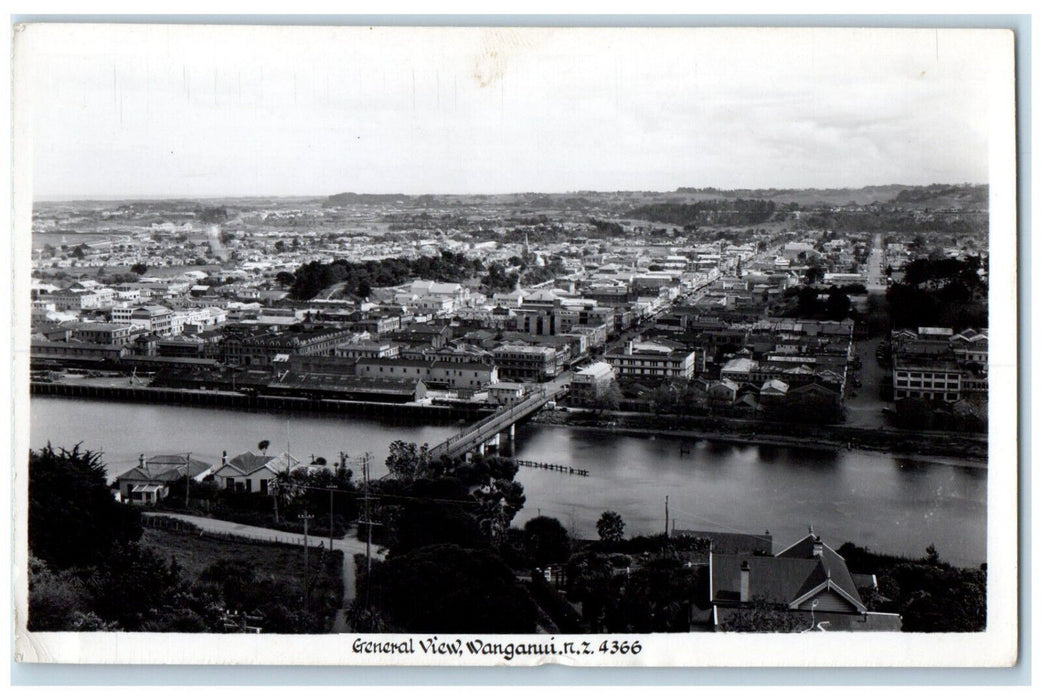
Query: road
{"type": "Point", "coordinates": [865, 409]}
{"type": "Point", "coordinates": [875, 269]}
{"type": "Point", "coordinates": [349, 545]}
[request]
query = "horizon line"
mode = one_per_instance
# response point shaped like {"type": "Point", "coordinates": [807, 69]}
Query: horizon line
{"type": "Point", "coordinates": [175, 197]}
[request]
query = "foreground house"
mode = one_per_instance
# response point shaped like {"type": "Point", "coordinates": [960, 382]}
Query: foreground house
{"type": "Point", "coordinates": [251, 472]}
{"type": "Point", "coordinates": [808, 580]}
{"type": "Point", "coordinates": [149, 482]}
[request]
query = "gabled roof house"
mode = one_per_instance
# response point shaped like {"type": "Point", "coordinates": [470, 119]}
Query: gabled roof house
{"type": "Point", "coordinates": [252, 472]}
{"type": "Point", "coordinates": [150, 480]}
{"type": "Point", "coordinates": [808, 579]}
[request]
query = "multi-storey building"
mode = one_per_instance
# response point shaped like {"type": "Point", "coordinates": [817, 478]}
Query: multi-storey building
{"type": "Point", "coordinates": [104, 333]}
{"type": "Point", "coordinates": [590, 383]}
{"type": "Point", "coordinates": [526, 363]}
{"type": "Point", "coordinates": [652, 361]}
{"type": "Point", "coordinates": [243, 347]}
{"type": "Point", "coordinates": [437, 373]}
{"type": "Point", "coordinates": [936, 365]}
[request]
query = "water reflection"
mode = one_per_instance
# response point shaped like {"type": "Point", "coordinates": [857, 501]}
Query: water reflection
{"type": "Point", "coordinates": [889, 504]}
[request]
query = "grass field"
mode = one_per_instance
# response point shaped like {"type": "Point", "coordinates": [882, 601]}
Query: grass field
{"type": "Point", "coordinates": [282, 564]}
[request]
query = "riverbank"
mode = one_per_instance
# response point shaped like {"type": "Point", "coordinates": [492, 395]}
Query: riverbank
{"type": "Point", "coordinates": [956, 449]}
{"type": "Point", "coordinates": [404, 412]}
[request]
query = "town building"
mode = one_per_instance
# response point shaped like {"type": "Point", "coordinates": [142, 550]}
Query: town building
{"type": "Point", "coordinates": [655, 361]}
{"type": "Point", "coordinates": [506, 393]}
{"type": "Point", "coordinates": [590, 383]}
{"type": "Point", "coordinates": [936, 365]}
{"type": "Point", "coordinates": [526, 363]}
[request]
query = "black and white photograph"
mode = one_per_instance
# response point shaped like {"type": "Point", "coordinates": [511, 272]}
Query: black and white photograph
{"type": "Point", "coordinates": [594, 346]}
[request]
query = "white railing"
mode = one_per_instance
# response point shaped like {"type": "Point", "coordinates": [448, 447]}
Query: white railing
{"type": "Point", "coordinates": [509, 413]}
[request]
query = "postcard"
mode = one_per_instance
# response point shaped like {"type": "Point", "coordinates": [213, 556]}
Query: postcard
{"type": "Point", "coordinates": [510, 346]}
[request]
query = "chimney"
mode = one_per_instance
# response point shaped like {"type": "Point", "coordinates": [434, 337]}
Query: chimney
{"type": "Point", "coordinates": [224, 457]}
{"type": "Point", "coordinates": [743, 586]}
{"type": "Point", "coordinates": [141, 461]}
{"type": "Point", "coordinates": [817, 546]}
{"type": "Point", "coordinates": [629, 347]}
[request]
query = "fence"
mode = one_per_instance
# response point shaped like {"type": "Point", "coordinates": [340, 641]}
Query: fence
{"type": "Point", "coordinates": [160, 522]}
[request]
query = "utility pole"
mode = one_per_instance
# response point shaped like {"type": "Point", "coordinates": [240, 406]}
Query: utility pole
{"type": "Point", "coordinates": [307, 589]}
{"type": "Point", "coordinates": [368, 523]}
{"type": "Point", "coordinates": [331, 520]}
{"type": "Point", "coordinates": [667, 516]}
{"type": "Point", "coordinates": [188, 476]}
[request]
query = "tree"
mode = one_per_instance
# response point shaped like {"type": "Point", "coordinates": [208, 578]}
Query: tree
{"type": "Point", "coordinates": [234, 578]}
{"type": "Point", "coordinates": [263, 446]}
{"type": "Point", "coordinates": [55, 599]}
{"type": "Point", "coordinates": [284, 279]}
{"type": "Point", "coordinates": [449, 589]}
{"type": "Point", "coordinates": [838, 305]}
{"type": "Point", "coordinates": [609, 399]}
{"type": "Point", "coordinates": [656, 598]}
{"type": "Point", "coordinates": [406, 460]}
{"type": "Point", "coordinates": [139, 589]}
{"type": "Point", "coordinates": [73, 518]}
{"type": "Point", "coordinates": [610, 526]}
{"type": "Point", "coordinates": [814, 274]}
{"type": "Point", "coordinates": [139, 268]}
{"type": "Point", "coordinates": [546, 541]}
{"type": "Point", "coordinates": [591, 582]}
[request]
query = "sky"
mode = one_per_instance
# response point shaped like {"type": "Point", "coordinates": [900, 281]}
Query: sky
{"type": "Point", "coordinates": [113, 111]}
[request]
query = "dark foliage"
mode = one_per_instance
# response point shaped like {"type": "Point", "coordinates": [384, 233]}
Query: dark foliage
{"type": "Point", "coordinates": [717, 212]}
{"type": "Point", "coordinates": [138, 590]}
{"type": "Point", "coordinates": [930, 595]}
{"type": "Point", "coordinates": [656, 598]}
{"type": "Point", "coordinates": [450, 589]}
{"type": "Point", "coordinates": [610, 526]}
{"type": "Point", "coordinates": [470, 504]}
{"type": "Point", "coordinates": [313, 277]}
{"type": "Point", "coordinates": [592, 581]}
{"type": "Point", "coordinates": [546, 541]}
{"type": "Point", "coordinates": [212, 215]}
{"type": "Point", "coordinates": [73, 518]}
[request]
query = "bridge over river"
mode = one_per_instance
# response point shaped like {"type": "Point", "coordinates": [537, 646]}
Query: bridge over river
{"type": "Point", "coordinates": [477, 437]}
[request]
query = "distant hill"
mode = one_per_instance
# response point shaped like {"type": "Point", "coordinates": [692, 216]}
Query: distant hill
{"type": "Point", "coordinates": [932, 196]}
{"type": "Point", "coordinates": [945, 196]}
{"type": "Point", "coordinates": [345, 199]}
{"type": "Point", "coordinates": [966, 196]}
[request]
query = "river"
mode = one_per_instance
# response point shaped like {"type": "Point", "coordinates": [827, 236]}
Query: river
{"type": "Point", "coordinates": [889, 504]}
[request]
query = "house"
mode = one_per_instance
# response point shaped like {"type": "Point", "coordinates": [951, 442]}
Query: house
{"type": "Point", "coordinates": [149, 482]}
{"type": "Point", "coordinates": [773, 391]}
{"type": "Point", "coordinates": [808, 579]}
{"type": "Point", "coordinates": [722, 393]}
{"type": "Point", "coordinates": [251, 472]}
{"type": "Point", "coordinates": [506, 393]}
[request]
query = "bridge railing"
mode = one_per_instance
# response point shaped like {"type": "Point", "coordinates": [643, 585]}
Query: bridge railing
{"type": "Point", "coordinates": [507, 413]}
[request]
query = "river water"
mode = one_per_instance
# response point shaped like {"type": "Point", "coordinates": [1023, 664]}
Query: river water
{"type": "Point", "coordinates": [889, 504]}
